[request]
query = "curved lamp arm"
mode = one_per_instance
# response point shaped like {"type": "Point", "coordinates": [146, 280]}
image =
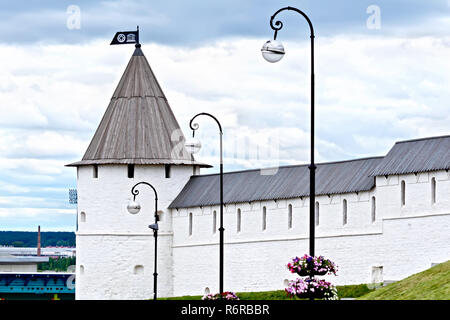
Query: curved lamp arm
{"type": "Point", "coordinates": [279, 25]}
{"type": "Point", "coordinates": [194, 126]}
{"type": "Point", "coordinates": [135, 192]}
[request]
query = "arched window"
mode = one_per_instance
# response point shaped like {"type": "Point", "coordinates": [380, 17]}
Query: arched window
{"type": "Point", "coordinates": [433, 190]}
{"type": "Point", "coordinates": [264, 218]}
{"type": "Point", "coordinates": [160, 215]}
{"type": "Point", "coordinates": [139, 269]}
{"type": "Point", "coordinates": [373, 209]}
{"type": "Point", "coordinates": [238, 222]}
{"type": "Point", "coordinates": [344, 212]}
{"type": "Point", "coordinates": [190, 223]}
{"type": "Point", "coordinates": [81, 269]}
{"type": "Point", "coordinates": [82, 216]}
{"type": "Point", "coordinates": [403, 192]}
{"type": "Point", "coordinates": [207, 291]}
{"type": "Point", "coordinates": [317, 213]}
{"type": "Point", "coordinates": [214, 226]}
{"type": "Point", "coordinates": [95, 171]}
{"type": "Point", "coordinates": [290, 216]}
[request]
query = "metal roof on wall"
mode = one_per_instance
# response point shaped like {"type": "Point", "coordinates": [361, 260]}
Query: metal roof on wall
{"type": "Point", "coordinates": [419, 155]}
{"type": "Point", "coordinates": [288, 182]}
{"type": "Point", "coordinates": [138, 124]}
{"type": "Point", "coordinates": [410, 156]}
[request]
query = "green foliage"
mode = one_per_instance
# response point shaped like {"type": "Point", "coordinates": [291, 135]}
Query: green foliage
{"type": "Point", "coordinates": [29, 239]}
{"type": "Point", "coordinates": [431, 284]}
{"type": "Point", "coordinates": [353, 291]}
{"type": "Point", "coordinates": [18, 244]}
{"type": "Point", "coordinates": [60, 264]}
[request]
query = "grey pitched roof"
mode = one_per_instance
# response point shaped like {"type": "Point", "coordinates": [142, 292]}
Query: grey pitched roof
{"type": "Point", "coordinates": [288, 182]}
{"type": "Point", "coordinates": [419, 155]}
{"type": "Point", "coordinates": [138, 124]}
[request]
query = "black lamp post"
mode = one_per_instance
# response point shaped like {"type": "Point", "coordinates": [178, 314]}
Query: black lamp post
{"type": "Point", "coordinates": [133, 208]}
{"type": "Point", "coordinates": [273, 51]}
{"type": "Point", "coordinates": [194, 146]}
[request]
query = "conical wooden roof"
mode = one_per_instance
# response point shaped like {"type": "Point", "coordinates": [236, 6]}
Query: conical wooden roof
{"type": "Point", "coordinates": [138, 126]}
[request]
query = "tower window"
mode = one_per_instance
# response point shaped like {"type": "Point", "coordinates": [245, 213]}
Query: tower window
{"type": "Point", "coordinates": [131, 171]}
{"type": "Point", "coordinates": [95, 171]}
{"type": "Point", "coordinates": [264, 218]}
{"type": "Point", "coordinates": [344, 212]}
{"type": "Point", "coordinates": [160, 215]}
{"type": "Point", "coordinates": [290, 216]}
{"type": "Point", "coordinates": [317, 213]}
{"type": "Point", "coordinates": [82, 216]}
{"type": "Point", "coordinates": [374, 209]}
{"type": "Point", "coordinates": [377, 274]}
{"type": "Point", "coordinates": [190, 223]}
{"type": "Point", "coordinates": [167, 169]}
{"type": "Point", "coordinates": [238, 222]}
{"type": "Point", "coordinates": [403, 192]}
{"type": "Point", "coordinates": [139, 269]}
{"type": "Point", "coordinates": [433, 190]}
{"type": "Point", "coordinates": [214, 221]}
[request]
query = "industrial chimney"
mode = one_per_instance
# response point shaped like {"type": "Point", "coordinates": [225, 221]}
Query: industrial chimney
{"type": "Point", "coordinates": [39, 242]}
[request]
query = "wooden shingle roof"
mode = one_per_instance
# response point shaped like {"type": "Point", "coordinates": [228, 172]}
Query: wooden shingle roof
{"type": "Point", "coordinates": [138, 126]}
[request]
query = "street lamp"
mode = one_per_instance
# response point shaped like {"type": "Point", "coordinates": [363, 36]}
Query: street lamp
{"type": "Point", "coordinates": [193, 145]}
{"type": "Point", "coordinates": [273, 51]}
{"type": "Point", "coordinates": [134, 207]}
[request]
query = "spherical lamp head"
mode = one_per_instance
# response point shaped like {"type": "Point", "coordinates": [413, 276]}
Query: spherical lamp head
{"type": "Point", "coordinates": [192, 145]}
{"type": "Point", "coordinates": [133, 207]}
{"type": "Point", "coordinates": [273, 51]}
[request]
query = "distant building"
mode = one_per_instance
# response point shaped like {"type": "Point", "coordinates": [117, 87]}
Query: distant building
{"type": "Point", "coordinates": [20, 279]}
{"type": "Point", "coordinates": [52, 252]}
{"type": "Point", "coordinates": [11, 263]}
{"type": "Point", "coordinates": [379, 218]}
{"type": "Point", "coordinates": [37, 285]}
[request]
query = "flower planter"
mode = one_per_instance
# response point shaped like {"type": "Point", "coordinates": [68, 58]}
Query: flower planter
{"type": "Point", "coordinates": [309, 295]}
{"type": "Point", "coordinates": [321, 273]}
{"type": "Point", "coordinates": [303, 273]}
{"type": "Point", "coordinates": [307, 273]}
{"type": "Point", "coordinates": [309, 287]}
{"type": "Point", "coordinates": [308, 266]}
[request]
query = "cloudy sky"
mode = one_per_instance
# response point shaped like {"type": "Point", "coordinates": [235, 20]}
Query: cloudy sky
{"type": "Point", "coordinates": [382, 75]}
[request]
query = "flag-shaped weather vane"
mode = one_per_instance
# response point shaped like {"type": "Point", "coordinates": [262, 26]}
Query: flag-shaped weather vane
{"type": "Point", "coordinates": [126, 37]}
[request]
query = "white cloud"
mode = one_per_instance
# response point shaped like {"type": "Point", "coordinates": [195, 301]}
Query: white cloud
{"type": "Point", "coordinates": [371, 91]}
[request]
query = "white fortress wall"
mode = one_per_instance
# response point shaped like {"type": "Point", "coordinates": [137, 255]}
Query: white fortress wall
{"type": "Point", "coordinates": [402, 240]}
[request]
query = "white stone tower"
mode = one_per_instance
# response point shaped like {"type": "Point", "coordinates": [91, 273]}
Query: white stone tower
{"type": "Point", "coordinates": [138, 139]}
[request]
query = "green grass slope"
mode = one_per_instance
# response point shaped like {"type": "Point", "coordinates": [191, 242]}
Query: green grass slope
{"type": "Point", "coordinates": [431, 284]}
{"type": "Point", "coordinates": [352, 291]}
